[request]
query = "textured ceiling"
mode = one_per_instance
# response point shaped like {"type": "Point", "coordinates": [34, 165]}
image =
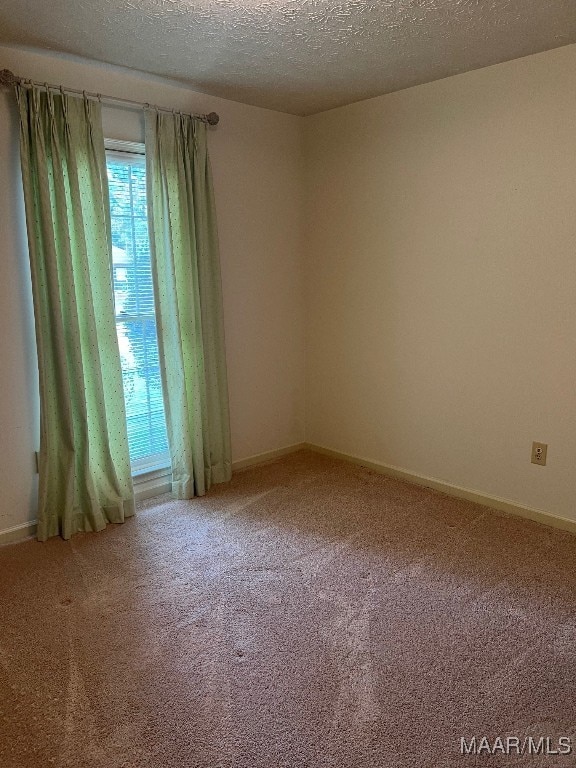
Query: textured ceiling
{"type": "Point", "coordinates": [299, 56]}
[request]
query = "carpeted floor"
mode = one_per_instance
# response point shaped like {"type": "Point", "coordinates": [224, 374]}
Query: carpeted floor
{"type": "Point", "coordinates": [310, 614]}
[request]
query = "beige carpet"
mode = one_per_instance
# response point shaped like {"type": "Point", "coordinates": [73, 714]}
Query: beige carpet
{"type": "Point", "coordinates": [310, 614]}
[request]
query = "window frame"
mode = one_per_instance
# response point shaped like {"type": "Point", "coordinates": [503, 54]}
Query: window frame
{"type": "Point", "coordinates": [151, 470]}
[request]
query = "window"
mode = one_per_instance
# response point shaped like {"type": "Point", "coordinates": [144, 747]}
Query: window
{"type": "Point", "coordinates": [134, 306]}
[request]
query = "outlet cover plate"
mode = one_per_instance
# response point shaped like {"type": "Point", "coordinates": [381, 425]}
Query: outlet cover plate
{"type": "Point", "coordinates": [539, 451]}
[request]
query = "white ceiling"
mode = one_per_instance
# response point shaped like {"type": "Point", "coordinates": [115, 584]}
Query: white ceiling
{"type": "Point", "coordinates": [299, 56]}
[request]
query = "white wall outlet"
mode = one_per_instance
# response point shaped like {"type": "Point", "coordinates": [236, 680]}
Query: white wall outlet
{"type": "Point", "coordinates": [539, 451]}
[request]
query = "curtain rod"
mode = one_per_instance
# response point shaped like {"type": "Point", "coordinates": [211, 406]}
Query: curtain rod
{"type": "Point", "coordinates": [9, 79]}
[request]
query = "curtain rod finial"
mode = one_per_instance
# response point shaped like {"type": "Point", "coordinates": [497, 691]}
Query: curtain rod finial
{"type": "Point", "coordinates": [8, 79]}
{"type": "Point", "coordinates": [212, 118]}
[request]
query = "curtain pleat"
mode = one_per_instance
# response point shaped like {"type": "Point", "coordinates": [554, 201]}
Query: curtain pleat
{"type": "Point", "coordinates": [188, 294]}
{"type": "Point", "coordinates": [84, 469]}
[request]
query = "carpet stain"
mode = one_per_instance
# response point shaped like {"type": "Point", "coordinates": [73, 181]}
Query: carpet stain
{"type": "Point", "coordinates": [309, 614]}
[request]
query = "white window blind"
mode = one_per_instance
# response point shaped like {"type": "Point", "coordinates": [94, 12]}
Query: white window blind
{"type": "Point", "coordinates": [135, 312]}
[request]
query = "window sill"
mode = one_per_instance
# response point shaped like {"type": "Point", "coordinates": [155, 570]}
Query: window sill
{"type": "Point", "coordinates": [151, 470]}
{"type": "Point", "coordinates": [151, 481]}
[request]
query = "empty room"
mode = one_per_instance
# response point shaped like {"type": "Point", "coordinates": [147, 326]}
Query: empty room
{"type": "Point", "coordinates": [288, 384]}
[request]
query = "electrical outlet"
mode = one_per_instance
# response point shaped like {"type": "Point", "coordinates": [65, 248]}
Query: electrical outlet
{"type": "Point", "coordinates": [539, 451]}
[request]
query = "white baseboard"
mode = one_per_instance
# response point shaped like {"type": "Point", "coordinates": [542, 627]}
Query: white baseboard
{"type": "Point", "coordinates": [261, 458]}
{"type": "Point", "coordinates": [493, 502]}
{"type": "Point", "coordinates": [158, 485]}
{"type": "Point", "coordinates": [18, 533]}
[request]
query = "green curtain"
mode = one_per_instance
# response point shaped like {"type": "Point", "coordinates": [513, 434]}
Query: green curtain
{"type": "Point", "coordinates": [186, 269]}
{"type": "Point", "coordinates": [85, 479]}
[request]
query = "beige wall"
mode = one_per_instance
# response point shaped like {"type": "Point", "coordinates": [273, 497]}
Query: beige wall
{"type": "Point", "coordinates": [257, 164]}
{"type": "Point", "coordinates": [441, 279]}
